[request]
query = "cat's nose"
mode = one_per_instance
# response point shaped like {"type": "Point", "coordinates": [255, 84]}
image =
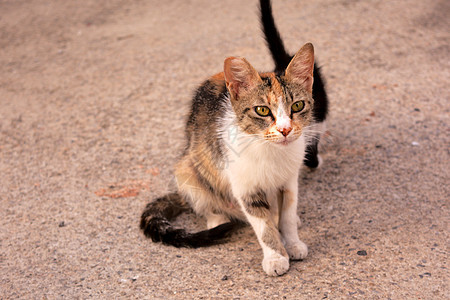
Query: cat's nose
{"type": "Point", "coordinates": [283, 124]}
{"type": "Point", "coordinates": [285, 130]}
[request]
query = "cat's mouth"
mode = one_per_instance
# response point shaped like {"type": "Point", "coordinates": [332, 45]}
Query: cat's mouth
{"type": "Point", "coordinates": [284, 141]}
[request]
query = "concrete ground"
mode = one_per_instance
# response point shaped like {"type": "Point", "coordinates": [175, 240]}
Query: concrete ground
{"type": "Point", "coordinates": [93, 99]}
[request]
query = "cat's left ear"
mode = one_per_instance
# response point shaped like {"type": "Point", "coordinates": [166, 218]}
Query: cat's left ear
{"type": "Point", "coordinates": [301, 67]}
{"type": "Point", "coordinates": [240, 76]}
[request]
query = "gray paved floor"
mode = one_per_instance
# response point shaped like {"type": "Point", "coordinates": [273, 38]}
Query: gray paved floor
{"type": "Point", "coordinates": [93, 99]}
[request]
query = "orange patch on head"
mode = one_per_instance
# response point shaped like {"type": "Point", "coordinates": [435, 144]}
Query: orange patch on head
{"type": "Point", "coordinates": [217, 80]}
{"type": "Point", "coordinates": [218, 77]}
{"type": "Point", "coordinates": [276, 91]}
{"type": "Point", "coordinates": [271, 98]}
{"type": "Point", "coordinates": [276, 87]}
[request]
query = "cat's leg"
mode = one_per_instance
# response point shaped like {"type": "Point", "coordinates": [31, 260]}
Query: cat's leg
{"type": "Point", "coordinates": [214, 220]}
{"type": "Point", "coordinates": [202, 202]}
{"type": "Point", "coordinates": [299, 222]}
{"type": "Point", "coordinates": [257, 210]}
{"type": "Point", "coordinates": [312, 158]}
{"type": "Point", "coordinates": [201, 199]}
{"type": "Point", "coordinates": [289, 222]}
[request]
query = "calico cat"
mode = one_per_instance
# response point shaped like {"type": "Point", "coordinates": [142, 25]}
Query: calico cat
{"type": "Point", "coordinates": [247, 135]}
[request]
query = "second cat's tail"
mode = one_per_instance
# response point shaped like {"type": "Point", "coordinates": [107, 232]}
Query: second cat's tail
{"type": "Point", "coordinates": [155, 224]}
{"type": "Point", "coordinates": [273, 38]}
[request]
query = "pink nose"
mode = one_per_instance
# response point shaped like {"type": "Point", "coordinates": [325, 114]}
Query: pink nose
{"type": "Point", "coordinates": [285, 131]}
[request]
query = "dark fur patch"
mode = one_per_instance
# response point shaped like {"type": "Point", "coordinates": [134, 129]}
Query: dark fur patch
{"type": "Point", "coordinates": [168, 206]}
{"type": "Point", "coordinates": [267, 81]}
{"type": "Point", "coordinates": [257, 205]}
{"type": "Point", "coordinates": [206, 107]}
{"type": "Point", "coordinates": [311, 160]}
{"type": "Point", "coordinates": [260, 204]}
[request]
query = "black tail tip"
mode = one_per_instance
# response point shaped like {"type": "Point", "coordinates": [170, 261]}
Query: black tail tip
{"type": "Point", "coordinates": [311, 160]}
{"type": "Point", "coordinates": [159, 230]}
{"type": "Point", "coordinates": [154, 227]}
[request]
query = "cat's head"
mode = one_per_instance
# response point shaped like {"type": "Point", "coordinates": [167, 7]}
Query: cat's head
{"type": "Point", "coordinates": [276, 108]}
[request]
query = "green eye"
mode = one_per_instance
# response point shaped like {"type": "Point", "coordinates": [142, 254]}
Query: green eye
{"type": "Point", "coordinates": [298, 106]}
{"type": "Point", "coordinates": [263, 111]}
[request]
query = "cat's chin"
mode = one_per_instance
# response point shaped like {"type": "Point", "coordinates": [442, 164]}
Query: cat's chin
{"type": "Point", "coordinates": [284, 141]}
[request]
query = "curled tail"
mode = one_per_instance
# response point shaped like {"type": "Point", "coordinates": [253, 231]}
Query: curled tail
{"type": "Point", "coordinates": [155, 224]}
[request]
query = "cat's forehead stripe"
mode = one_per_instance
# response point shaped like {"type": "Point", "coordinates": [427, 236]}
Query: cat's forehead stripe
{"type": "Point", "coordinates": [275, 87]}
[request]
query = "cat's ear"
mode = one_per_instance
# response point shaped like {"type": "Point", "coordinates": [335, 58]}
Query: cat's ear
{"type": "Point", "coordinates": [240, 76]}
{"type": "Point", "coordinates": [301, 67]}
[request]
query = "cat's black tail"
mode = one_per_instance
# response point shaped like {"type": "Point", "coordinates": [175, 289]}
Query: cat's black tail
{"type": "Point", "coordinates": [155, 224]}
{"type": "Point", "coordinates": [273, 38]}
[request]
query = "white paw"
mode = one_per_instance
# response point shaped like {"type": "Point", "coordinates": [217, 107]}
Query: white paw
{"type": "Point", "coordinates": [275, 264]}
{"type": "Point", "coordinates": [297, 251]}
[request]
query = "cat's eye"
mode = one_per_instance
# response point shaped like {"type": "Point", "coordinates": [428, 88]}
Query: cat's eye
{"type": "Point", "coordinates": [263, 111]}
{"type": "Point", "coordinates": [298, 106]}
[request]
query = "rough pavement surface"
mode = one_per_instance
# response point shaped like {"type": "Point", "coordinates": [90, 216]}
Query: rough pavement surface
{"type": "Point", "coordinates": [93, 99]}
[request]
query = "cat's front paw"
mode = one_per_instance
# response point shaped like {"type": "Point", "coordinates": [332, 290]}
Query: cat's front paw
{"type": "Point", "coordinates": [297, 250]}
{"type": "Point", "coordinates": [275, 264]}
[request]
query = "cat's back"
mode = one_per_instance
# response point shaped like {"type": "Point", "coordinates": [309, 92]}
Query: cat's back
{"type": "Point", "coordinates": [207, 106]}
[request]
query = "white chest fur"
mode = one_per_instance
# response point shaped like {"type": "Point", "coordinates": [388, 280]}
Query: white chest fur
{"type": "Point", "coordinates": [254, 163]}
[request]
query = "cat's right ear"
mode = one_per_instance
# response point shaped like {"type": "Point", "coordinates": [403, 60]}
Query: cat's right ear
{"type": "Point", "coordinates": [240, 76]}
